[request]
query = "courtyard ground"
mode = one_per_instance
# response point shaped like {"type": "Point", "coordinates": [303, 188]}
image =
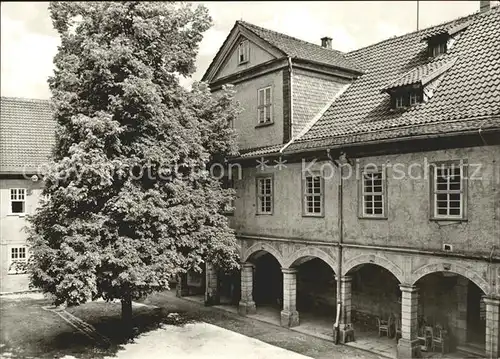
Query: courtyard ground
{"type": "Point", "coordinates": [30, 329]}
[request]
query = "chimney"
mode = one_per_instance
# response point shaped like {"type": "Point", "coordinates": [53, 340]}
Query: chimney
{"type": "Point", "coordinates": [484, 6]}
{"type": "Point", "coordinates": [326, 42]}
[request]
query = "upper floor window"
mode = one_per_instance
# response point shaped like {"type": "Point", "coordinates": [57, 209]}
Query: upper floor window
{"type": "Point", "coordinates": [243, 52]}
{"type": "Point", "coordinates": [414, 98]}
{"type": "Point", "coordinates": [406, 97]}
{"type": "Point", "coordinates": [313, 195]}
{"type": "Point", "coordinates": [373, 194]}
{"type": "Point", "coordinates": [399, 101]}
{"type": "Point", "coordinates": [449, 190]}
{"type": "Point", "coordinates": [264, 107]}
{"type": "Point", "coordinates": [437, 48]}
{"type": "Point", "coordinates": [265, 195]}
{"type": "Point", "coordinates": [18, 200]}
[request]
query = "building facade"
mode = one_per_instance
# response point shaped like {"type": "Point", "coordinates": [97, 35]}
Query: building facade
{"type": "Point", "coordinates": [26, 137]}
{"type": "Point", "coordinates": [368, 182]}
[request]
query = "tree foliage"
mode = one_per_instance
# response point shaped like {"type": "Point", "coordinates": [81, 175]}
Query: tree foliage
{"type": "Point", "coordinates": [131, 201]}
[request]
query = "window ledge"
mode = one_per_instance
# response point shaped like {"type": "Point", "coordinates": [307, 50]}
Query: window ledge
{"type": "Point", "coordinates": [16, 214]}
{"type": "Point", "coordinates": [373, 217]}
{"type": "Point", "coordinates": [263, 214]}
{"type": "Point", "coordinates": [444, 219]}
{"type": "Point", "coordinates": [313, 215]}
{"type": "Point", "coordinates": [264, 124]}
{"type": "Point", "coordinates": [16, 273]}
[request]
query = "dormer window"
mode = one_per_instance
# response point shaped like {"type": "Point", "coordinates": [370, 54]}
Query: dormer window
{"type": "Point", "coordinates": [437, 49]}
{"type": "Point", "coordinates": [399, 101]}
{"type": "Point", "coordinates": [406, 97]}
{"type": "Point", "coordinates": [243, 52]}
{"type": "Point", "coordinates": [414, 98]}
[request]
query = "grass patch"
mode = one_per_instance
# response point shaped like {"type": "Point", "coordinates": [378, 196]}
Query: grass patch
{"type": "Point", "coordinates": [29, 331]}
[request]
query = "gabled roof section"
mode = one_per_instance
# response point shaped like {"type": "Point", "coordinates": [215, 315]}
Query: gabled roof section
{"type": "Point", "coordinates": [468, 90]}
{"type": "Point", "coordinates": [281, 46]}
{"type": "Point", "coordinates": [303, 50]}
{"type": "Point", "coordinates": [422, 74]}
{"type": "Point", "coordinates": [27, 134]}
{"type": "Point", "coordinates": [228, 45]}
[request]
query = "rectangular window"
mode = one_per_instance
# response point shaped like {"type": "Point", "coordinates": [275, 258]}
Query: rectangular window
{"type": "Point", "coordinates": [18, 258]}
{"type": "Point", "coordinates": [227, 183]}
{"type": "Point", "coordinates": [373, 194]}
{"type": "Point", "coordinates": [400, 103]}
{"type": "Point", "coordinates": [264, 108]}
{"type": "Point", "coordinates": [265, 195]}
{"type": "Point", "coordinates": [438, 49]}
{"type": "Point", "coordinates": [414, 98]}
{"type": "Point", "coordinates": [243, 52]}
{"type": "Point", "coordinates": [313, 195]}
{"type": "Point", "coordinates": [18, 200]}
{"type": "Point", "coordinates": [448, 190]}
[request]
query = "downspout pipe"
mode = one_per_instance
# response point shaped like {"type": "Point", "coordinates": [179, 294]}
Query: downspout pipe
{"type": "Point", "coordinates": [339, 246]}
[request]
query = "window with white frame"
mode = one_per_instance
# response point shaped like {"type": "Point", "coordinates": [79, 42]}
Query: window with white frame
{"type": "Point", "coordinates": [18, 259]}
{"type": "Point", "coordinates": [438, 48]}
{"type": "Point", "coordinates": [265, 195]}
{"type": "Point", "coordinates": [313, 189]}
{"type": "Point", "coordinates": [373, 194]}
{"type": "Point", "coordinates": [414, 98]}
{"type": "Point", "coordinates": [228, 183]}
{"type": "Point", "coordinates": [449, 190]}
{"type": "Point", "coordinates": [264, 108]}
{"type": "Point", "coordinates": [400, 103]}
{"type": "Point", "coordinates": [243, 52]}
{"type": "Point", "coordinates": [18, 200]}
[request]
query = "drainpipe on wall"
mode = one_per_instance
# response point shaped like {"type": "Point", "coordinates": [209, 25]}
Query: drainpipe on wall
{"type": "Point", "coordinates": [339, 249]}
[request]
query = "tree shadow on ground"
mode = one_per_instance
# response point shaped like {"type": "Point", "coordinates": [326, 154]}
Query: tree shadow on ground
{"type": "Point", "coordinates": [29, 331]}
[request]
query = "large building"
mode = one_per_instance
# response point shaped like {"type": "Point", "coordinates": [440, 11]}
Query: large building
{"type": "Point", "coordinates": [367, 186]}
{"type": "Point", "coordinates": [369, 179]}
{"type": "Point", "coordinates": [27, 133]}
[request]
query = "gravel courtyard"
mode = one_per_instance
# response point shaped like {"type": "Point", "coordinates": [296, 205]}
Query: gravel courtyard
{"type": "Point", "coordinates": [201, 340]}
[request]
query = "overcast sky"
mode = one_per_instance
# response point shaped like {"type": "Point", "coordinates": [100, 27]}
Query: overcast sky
{"type": "Point", "coordinates": [29, 43]}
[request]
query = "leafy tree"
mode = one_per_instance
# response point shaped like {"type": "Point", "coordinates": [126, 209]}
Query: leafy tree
{"type": "Point", "coordinates": [131, 201]}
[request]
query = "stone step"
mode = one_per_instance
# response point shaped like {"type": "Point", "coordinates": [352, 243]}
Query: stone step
{"type": "Point", "coordinates": [472, 350]}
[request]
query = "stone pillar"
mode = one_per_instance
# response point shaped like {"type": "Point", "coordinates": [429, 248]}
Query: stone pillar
{"type": "Point", "coordinates": [182, 289]}
{"type": "Point", "coordinates": [211, 285]}
{"type": "Point", "coordinates": [246, 305]}
{"type": "Point", "coordinates": [492, 327]}
{"type": "Point", "coordinates": [346, 329]}
{"type": "Point", "coordinates": [408, 345]}
{"type": "Point", "coordinates": [289, 314]}
{"type": "Point", "coordinates": [461, 291]}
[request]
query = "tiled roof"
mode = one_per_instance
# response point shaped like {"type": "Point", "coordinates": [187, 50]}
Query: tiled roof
{"type": "Point", "coordinates": [424, 73]}
{"type": "Point", "coordinates": [27, 134]}
{"type": "Point", "coordinates": [451, 29]}
{"type": "Point", "coordinates": [304, 50]}
{"type": "Point", "coordinates": [261, 151]}
{"type": "Point", "coordinates": [469, 89]}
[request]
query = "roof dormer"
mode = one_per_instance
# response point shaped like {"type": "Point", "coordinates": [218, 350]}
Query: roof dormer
{"type": "Point", "coordinates": [418, 84]}
{"type": "Point", "coordinates": [440, 41]}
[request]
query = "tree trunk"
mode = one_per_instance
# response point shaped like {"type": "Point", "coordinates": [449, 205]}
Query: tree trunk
{"type": "Point", "coordinates": [127, 315]}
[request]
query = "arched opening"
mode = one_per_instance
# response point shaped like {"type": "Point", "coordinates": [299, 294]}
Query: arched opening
{"type": "Point", "coordinates": [268, 281]}
{"type": "Point", "coordinates": [316, 294]}
{"type": "Point", "coordinates": [229, 286]}
{"type": "Point", "coordinates": [375, 307]}
{"type": "Point", "coordinates": [452, 304]}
